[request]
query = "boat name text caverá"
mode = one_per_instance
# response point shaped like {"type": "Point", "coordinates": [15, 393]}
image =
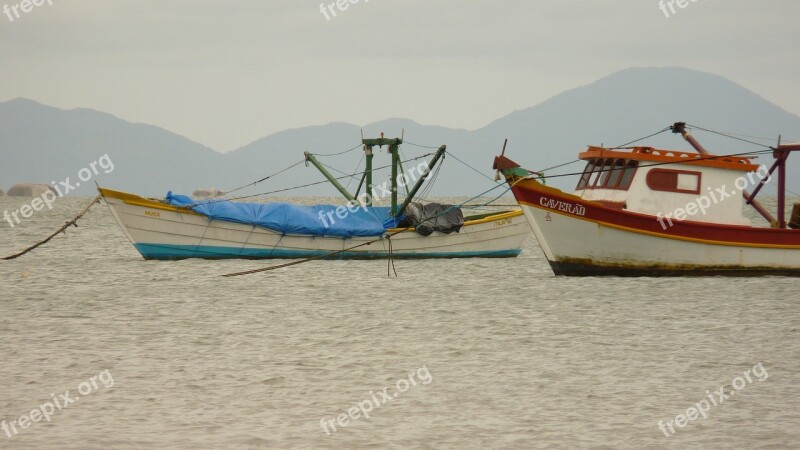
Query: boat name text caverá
{"type": "Point", "coordinates": [558, 205]}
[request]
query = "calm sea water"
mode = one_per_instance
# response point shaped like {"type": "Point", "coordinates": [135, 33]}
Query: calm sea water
{"type": "Point", "coordinates": [504, 354]}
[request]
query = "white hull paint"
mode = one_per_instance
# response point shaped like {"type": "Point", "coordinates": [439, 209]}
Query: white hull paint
{"type": "Point", "coordinates": [171, 234]}
{"type": "Point", "coordinates": [575, 245]}
{"type": "Point", "coordinates": [644, 211]}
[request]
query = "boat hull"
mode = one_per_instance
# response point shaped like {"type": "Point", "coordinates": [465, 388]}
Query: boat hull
{"type": "Point", "coordinates": [585, 238]}
{"type": "Point", "coordinates": [163, 232]}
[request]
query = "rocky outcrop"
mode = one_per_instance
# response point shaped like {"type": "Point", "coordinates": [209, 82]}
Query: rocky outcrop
{"type": "Point", "coordinates": [29, 190]}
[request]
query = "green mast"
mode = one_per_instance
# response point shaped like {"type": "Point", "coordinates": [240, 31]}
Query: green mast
{"type": "Point", "coordinates": [310, 158]}
{"type": "Point", "coordinates": [393, 145]}
{"type": "Point", "coordinates": [394, 149]}
{"type": "Point", "coordinates": [422, 179]}
{"type": "Point", "coordinates": [368, 173]}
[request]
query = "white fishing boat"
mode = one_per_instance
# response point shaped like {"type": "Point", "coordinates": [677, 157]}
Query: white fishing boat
{"type": "Point", "coordinates": [178, 227]}
{"type": "Point", "coordinates": [643, 211]}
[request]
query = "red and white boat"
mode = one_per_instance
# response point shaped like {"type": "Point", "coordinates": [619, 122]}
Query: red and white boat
{"type": "Point", "coordinates": [642, 211]}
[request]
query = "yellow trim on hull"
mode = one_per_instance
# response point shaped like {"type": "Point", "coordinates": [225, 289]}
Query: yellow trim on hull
{"type": "Point", "coordinates": [136, 200]}
{"type": "Point", "coordinates": [665, 236]}
{"type": "Point", "coordinates": [505, 215]}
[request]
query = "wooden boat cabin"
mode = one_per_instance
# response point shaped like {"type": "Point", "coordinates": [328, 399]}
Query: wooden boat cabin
{"type": "Point", "coordinates": [651, 181]}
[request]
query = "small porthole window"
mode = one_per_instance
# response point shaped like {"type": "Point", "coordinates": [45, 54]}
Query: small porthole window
{"type": "Point", "coordinates": [666, 180]}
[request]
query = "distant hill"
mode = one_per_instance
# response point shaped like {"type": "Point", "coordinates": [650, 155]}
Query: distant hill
{"type": "Point", "coordinates": [637, 102]}
{"type": "Point", "coordinates": [40, 143]}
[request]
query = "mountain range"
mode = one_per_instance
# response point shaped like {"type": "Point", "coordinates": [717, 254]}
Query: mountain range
{"type": "Point", "coordinates": [39, 143]}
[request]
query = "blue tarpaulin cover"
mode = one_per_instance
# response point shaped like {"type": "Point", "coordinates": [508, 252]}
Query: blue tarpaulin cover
{"type": "Point", "coordinates": [288, 218]}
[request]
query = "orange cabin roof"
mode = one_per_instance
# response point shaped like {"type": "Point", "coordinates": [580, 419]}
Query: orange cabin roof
{"type": "Point", "coordinates": [672, 156]}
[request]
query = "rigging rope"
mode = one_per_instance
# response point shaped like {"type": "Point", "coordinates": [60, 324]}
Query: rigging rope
{"type": "Point", "coordinates": [728, 136]}
{"type": "Point", "coordinates": [748, 136]}
{"type": "Point", "coordinates": [474, 169]}
{"type": "Point", "coordinates": [300, 186]}
{"type": "Point", "coordinates": [339, 153]}
{"type": "Point", "coordinates": [559, 166]}
{"type": "Point", "coordinates": [390, 261]}
{"type": "Point", "coordinates": [357, 169]}
{"type": "Point", "coordinates": [263, 179]}
{"type": "Point", "coordinates": [363, 244]}
{"type": "Point", "coordinates": [702, 158]}
{"type": "Point", "coordinates": [641, 139]}
{"type": "Point", "coordinates": [352, 176]}
{"type": "Point", "coordinates": [456, 158]}
{"type": "Point", "coordinates": [478, 206]}
{"type": "Point", "coordinates": [418, 145]}
{"type": "Point", "coordinates": [282, 171]}
{"type": "Point", "coordinates": [403, 170]}
{"type": "Point", "coordinates": [286, 169]}
{"type": "Point", "coordinates": [431, 182]}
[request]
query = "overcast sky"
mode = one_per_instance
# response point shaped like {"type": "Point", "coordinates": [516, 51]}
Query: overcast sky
{"type": "Point", "coordinates": [224, 73]}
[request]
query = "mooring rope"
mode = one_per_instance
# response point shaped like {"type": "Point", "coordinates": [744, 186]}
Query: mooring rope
{"type": "Point", "coordinates": [390, 261]}
{"type": "Point", "coordinates": [73, 222]}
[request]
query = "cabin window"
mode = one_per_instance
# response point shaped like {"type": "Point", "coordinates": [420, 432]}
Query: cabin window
{"type": "Point", "coordinates": [608, 174]}
{"type": "Point", "coordinates": [603, 173]}
{"type": "Point", "coordinates": [587, 174]}
{"type": "Point", "coordinates": [682, 181]}
{"type": "Point", "coordinates": [613, 177]}
{"type": "Point", "coordinates": [627, 175]}
{"type": "Point", "coordinates": [597, 171]}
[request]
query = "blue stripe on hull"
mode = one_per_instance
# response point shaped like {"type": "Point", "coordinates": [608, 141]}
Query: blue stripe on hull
{"type": "Point", "coordinates": [172, 252]}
